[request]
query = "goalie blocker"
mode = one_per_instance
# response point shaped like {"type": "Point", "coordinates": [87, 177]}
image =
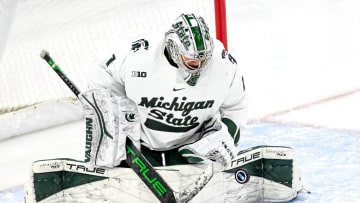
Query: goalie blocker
{"type": "Point", "coordinates": [263, 173]}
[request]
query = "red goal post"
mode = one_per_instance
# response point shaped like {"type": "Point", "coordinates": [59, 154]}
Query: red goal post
{"type": "Point", "coordinates": [220, 21]}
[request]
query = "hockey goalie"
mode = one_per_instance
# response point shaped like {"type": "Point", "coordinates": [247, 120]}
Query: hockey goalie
{"type": "Point", "coordinates": [181, 99]}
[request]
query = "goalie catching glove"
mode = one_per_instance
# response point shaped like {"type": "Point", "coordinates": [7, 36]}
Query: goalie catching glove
{"type": "Point", "coordinates": [109, 120]}
{"type": "Point", "coordinates": [216, 144]}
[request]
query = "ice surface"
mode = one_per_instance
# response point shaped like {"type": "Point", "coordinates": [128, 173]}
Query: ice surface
{"type": "Point", "coordinates": [330, 160]}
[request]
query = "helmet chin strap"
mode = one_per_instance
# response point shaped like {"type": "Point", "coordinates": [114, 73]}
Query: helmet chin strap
{"type": "Point", "coordinates": [190, 78]}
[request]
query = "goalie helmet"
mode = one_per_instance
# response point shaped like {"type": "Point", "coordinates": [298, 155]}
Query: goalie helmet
{"type": "Point", "coordinates": [190, 46]}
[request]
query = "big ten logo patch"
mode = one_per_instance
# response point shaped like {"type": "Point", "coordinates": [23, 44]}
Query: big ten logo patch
{"type": "Point", "coordinates": [139, 74]}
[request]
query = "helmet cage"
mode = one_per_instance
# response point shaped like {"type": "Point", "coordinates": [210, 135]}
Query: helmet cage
{"type": "Point", "coordinates": [193, 65]}
{"type": "Point", "coordinates": [189, 43]}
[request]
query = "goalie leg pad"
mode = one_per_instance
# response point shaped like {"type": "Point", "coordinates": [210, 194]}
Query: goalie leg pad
{"type": "Point", "coordinates": [281, 179]}
{"type": "Point", "coordinates": [272, 177]}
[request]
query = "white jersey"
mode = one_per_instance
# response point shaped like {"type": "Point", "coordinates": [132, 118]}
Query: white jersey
{"type": "Point", "coordinates": [171, 111]}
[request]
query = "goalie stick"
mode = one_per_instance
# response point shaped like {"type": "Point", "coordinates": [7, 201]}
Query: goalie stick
{"type": "Point", "coordinates": [139, 164]}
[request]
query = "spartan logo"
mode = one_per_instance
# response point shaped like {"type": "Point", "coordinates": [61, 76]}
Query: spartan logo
{"type": "Point", "coordinates": [130, 117]}
{"type": "Point", "coordinates": [161, 116]}
{"type": "Point", "coordinates": [138, 44]}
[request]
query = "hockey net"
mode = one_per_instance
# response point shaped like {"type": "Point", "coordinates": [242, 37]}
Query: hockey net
{"type": "Point", "coordinates": [73, 32]}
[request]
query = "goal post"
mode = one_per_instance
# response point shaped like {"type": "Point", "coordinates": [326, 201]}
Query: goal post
{"type": "Point", "coordinates": [220, 21]}
{"type": "Point", "coordinates": [74, 32]}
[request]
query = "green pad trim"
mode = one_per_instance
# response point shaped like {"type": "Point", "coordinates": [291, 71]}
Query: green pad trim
{"type": "Point", "coordinates": [276, 170]}
{"type": "Point", "coordinates": [186, 151]}
{"type": "Point", "coordinates": [196, 31]}
{"type": "Point", "coordinates": [47, 184]}
{"type": "Point", "coordinates": [192, 159]}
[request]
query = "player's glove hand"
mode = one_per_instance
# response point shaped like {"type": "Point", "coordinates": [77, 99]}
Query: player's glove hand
{"type": "Point", "coordinates": [216, 144]}
{"type": "Point", "coordinates": [109, 120]}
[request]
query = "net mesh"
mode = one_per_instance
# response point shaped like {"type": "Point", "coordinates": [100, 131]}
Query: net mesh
{"type": "Point", "coordinates": [73, 32]}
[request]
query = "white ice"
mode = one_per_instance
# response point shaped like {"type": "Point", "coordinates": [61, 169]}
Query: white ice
{"type": "Point", "coordinates": [301, 62]}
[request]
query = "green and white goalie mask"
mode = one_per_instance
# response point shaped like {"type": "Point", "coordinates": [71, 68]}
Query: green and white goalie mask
{"type": "Point", "coordinates": [190, 46]}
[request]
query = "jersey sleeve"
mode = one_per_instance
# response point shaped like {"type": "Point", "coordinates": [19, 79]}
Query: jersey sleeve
{"type": "Point", "coordinates": [234, 109]}
{"type": "Point", "coordinates": [109, 72]}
